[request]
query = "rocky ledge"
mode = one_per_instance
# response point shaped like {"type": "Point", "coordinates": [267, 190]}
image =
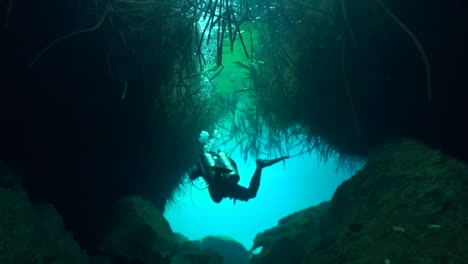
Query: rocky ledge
{"type": "Point", "coordinates": [409, 204]}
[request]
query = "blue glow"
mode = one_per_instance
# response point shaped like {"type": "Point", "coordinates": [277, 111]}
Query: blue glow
{"type": "Point", "coordinates": [285, 188]}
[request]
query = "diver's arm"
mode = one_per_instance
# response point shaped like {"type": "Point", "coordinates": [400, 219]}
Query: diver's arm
{"type": "Point", "coordinates": [210, 179]}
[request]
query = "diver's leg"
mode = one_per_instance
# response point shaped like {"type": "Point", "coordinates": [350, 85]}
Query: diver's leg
{"type": "Point", "coordinates": [244, 194]}
{"type": "Point", "coordinates": [255, 182]}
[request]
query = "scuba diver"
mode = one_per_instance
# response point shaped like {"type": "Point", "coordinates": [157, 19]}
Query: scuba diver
{"type": "Point", "coordinates": [220, 173]}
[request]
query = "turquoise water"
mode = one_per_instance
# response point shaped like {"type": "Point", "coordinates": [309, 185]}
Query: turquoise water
{"type": "Point", "coordinates": [285, 188]}
{"type": "Point", "coordinates": [296, 184]}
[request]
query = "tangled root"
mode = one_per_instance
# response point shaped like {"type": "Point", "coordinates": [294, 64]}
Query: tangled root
{"type": "Point", "coordinates": [416, 42]}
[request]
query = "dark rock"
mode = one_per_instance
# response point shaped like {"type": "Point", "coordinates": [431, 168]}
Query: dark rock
{"type": "Point", "coordinates": [409, 204]}
{"type": "Point", "coordinates": [8, 177]}
{"type": "Point", "coordinates": [198, 257]}
{"type": "Point", "coordinates": [192, 251]}
{"type": "Point", "coordinates": [34, 233]}
{"type": "Point", "coordinates": [190, 245]}
{"type": "Point", "coordinates": [137, 233]}
{"type": "Point", "coordinates": [100, 260]}
{"type": "Point", "coordinates": [287, 242]}
{"type": "Point", "coordinates": [179, 260]}
{"type": "Point", "coordinates": [232, 251]}
{"type": "Point", "coordinates": [355, 227]}
{"type": "Point", "coordinates": [136, 230]}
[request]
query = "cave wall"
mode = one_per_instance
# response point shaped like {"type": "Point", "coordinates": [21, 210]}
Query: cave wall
{"type": "Point", "coordinates": [64, 124]}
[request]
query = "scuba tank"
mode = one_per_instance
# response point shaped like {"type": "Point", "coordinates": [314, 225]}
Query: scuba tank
{"type": "Point", "coordinates": [208, 163]}
{"type": "Point", "coordinates": [213, 163]}
{"type": "Point", "coordinates": [226, 162]}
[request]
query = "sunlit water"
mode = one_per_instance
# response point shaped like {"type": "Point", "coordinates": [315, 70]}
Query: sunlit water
{"type": "Point", "coordinates": [285, 188]}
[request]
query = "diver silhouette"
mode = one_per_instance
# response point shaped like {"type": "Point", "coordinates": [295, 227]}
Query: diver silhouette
{"type": "Point", "coordinates": [220, 173]}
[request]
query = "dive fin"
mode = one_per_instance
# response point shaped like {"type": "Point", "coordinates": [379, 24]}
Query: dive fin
{"type": "Point", "coordinates": [261, 163]}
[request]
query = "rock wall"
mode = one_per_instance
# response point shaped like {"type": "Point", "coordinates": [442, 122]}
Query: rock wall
{"type": "Point", "coordinates": [409, 204]}
{"type": "Point", "coordinates": [232, 251]}
{"type": "Point", "coordinates": [136, 232]}
{"type": "Point", "coordinates": [32, 232]}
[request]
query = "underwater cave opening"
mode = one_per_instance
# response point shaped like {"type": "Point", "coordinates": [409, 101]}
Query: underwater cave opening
{"type": "Point", "coordinates": [297, 183]}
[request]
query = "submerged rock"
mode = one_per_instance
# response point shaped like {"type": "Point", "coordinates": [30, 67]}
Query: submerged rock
{"type": "Point", "coordinates": [9, 178]}
{"type": "Point", "coordinates": [288, 241]}
{"type": "Point", "coordinates": [34, 233]}
{"type": "Point", "coordinates": [197, 257]}
{"type": "Point", "coordinates": [193, 252]}
{"type": "Point", "coordinates": [136, 230]}
{"type": "Point", "coordinates": [232, 251]}
{"type": "Point", "coordinates": [409, 204]}
{"type": "Point", "coordinates": [100, 260]}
